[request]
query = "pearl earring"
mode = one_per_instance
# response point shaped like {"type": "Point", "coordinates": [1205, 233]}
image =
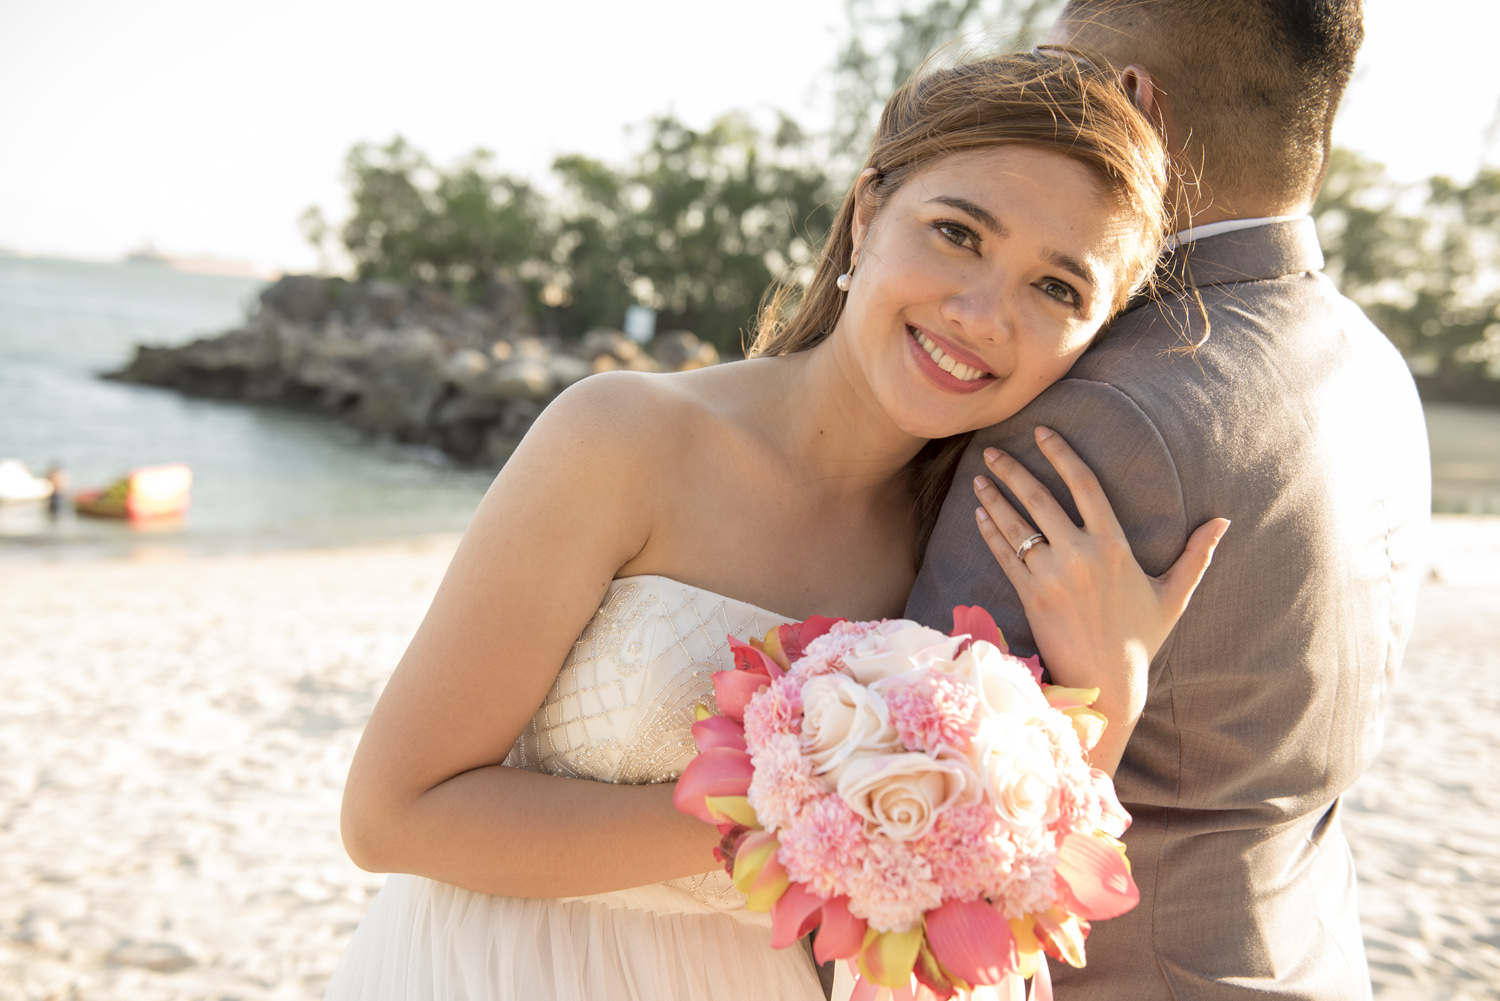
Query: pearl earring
{"type": "Point", "coordinates": [843, 281]}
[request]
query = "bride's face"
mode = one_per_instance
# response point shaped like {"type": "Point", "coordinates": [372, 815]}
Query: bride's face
{"type": "Point", "coordinates": [979, 282]}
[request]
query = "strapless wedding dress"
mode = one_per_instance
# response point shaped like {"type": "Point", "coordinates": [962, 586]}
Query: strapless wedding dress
{"type": "Point", "coordinates": [620, 710]}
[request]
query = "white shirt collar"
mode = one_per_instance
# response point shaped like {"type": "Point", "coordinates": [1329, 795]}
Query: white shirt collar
{"type": "Point", "coordinates": [1226, 226]}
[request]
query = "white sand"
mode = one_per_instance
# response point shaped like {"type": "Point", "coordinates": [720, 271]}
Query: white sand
{"type": "Point", "coordinates": [174, 736]}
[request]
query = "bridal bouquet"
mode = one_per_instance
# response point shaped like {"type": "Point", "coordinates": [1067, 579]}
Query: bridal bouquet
{"type": "Point", "coordinates": [921, 800]}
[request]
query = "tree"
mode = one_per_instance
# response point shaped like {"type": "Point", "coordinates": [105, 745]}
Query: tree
{"type": "Point", "coordinates": [456, 228]}
{"type": "Point", "coordinates": [883, 51]}
{"type": "Point", "coordinates": [696, 228]}
{"type": "Point", "coordinates": [1423, 261]}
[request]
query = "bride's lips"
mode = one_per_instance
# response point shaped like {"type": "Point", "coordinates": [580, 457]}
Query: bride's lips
{"type": "Point", "coordinates": [934, 371]}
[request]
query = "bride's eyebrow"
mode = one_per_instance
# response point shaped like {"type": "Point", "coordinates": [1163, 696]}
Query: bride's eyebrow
{"type": "Point", "coordinates": [985, 218]}
{"type": "Point", "coordinates": [978, 212]}
{"type": "Point", "coordinates": [1080, 269]}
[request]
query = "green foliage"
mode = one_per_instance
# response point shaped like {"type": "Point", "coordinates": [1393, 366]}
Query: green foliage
{"type": "Point", "coordinates": [884, 51]}
{"type": "Point", "coordinates": [696, 228]}
{"type": "Point", "coordinates": [701, 221]}
{"type": "Point", "coordinates": [1423, 261]}
{"type": "Point", "coordinates": [455, 228]}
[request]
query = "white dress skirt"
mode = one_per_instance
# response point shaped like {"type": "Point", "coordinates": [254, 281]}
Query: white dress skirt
{"type": "Point", "coordinates": [620, 711]}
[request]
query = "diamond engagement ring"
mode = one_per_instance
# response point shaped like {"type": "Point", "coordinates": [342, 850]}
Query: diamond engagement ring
{"type": "Point", "coordinates": [1029, 545]}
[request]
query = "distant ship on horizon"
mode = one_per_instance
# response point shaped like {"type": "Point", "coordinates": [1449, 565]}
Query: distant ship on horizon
{"type": "Point", "coordinates": [200, 264]}
{"type": "Point", "coordinates": [148, 254]}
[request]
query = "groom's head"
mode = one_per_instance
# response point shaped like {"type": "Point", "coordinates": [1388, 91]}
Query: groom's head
{"type": "Point", "coordinates": [1246, 89]}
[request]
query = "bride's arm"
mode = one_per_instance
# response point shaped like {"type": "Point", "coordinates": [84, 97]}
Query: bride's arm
{"type": "Point", "coordinates": [426, 792]}
{"type": "Point", "coordinates": [1097, 618]}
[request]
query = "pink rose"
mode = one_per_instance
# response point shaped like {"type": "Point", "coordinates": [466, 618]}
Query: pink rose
{"type": "Point", "coordinates": [899, 795]}
{"type": "Point", "coordinates": [1004, 684]}
{"type": "Point", "coordinates": [1016, 764]}
{"type": "Point", "coordinates": [840, 718]}
{"type": "Point", "coordinates": [895, 647]}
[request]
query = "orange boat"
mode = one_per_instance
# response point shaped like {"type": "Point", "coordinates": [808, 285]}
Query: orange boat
{"type": "Point", "coordinates": [148, 492]}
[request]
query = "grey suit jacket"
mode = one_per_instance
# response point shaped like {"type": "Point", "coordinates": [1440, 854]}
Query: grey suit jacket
{"type": "Point", "coordinates": [1298, 421]}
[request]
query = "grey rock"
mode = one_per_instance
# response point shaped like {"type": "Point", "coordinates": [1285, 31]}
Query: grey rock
{"type": "Point", "coordinates": [504, 299]}
{"type": "Point", "coordinates": [303, 298]}
{"type": "Point", "coordinates": [529, 349]}
{"type": "Point", "coordinates": [466, 367]}
{"type": "Point", "coordinates": [681, 350]}
{"type": "Point", "coordinates": [567, 370]}
{"type": "Point", "coordinates": [387, 300]}
{"type": "Point", "coordinates": [603, 341]}
{"type": "Point", "coordinates": [520, 379]}
{"type": "Point", "coordinates": [435, 300]}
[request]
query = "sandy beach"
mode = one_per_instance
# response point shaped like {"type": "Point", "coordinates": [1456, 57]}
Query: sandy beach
{"type": "Point", "coordinates": [174, 734]}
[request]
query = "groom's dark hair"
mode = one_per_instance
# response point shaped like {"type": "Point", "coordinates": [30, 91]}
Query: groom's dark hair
{"type": "Point", "coordinates": [1255, 84]}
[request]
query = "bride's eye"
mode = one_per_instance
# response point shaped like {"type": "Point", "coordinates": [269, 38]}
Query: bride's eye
{"type": "Point", "coordinates": [1061, 291]}
{"type": "Point", "coordinates": [957, 234]}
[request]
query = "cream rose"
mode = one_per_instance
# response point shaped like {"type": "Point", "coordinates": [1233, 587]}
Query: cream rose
{"type": "Point", "coordinates": [1005, 685]}
{"type": "Point", "coordinates": [895, 647]}
{"type": "Point", "coordinates": [899, 795]}
{"type": "Point", "coordinates": [1019, 771]}
{"type": "Point", "coordinates": [840, 718]}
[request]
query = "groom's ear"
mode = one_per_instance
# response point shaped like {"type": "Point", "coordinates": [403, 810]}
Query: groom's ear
{"type": "Point", "coordinates": [1141, 87]}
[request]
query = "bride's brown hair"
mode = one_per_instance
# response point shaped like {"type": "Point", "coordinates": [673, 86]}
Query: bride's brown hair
{"type": "Point", "coordinates": [1045, 99]}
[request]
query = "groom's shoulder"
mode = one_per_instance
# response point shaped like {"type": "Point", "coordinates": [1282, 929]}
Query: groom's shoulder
{"type": "Point", "coordinates": [1206, 354]}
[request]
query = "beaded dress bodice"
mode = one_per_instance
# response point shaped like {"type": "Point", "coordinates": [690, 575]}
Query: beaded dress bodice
{"type": "Point", "coordinates": [622, 707]}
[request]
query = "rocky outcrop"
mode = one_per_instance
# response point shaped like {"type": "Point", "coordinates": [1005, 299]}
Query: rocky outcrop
{"type": "Point", "coordinates": [409, 363]}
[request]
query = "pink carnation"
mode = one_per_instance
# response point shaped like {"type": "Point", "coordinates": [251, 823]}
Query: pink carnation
{"type": "Point", "coordinates": [782, 782]}
{"type": "Point", "coordinates": [775, 709]}
{"type": "Point", "coordinates": [825, 655]}
{"type": "Point", "coordinates": [937, 711]}
{"type": "Point", "coordinates": [894, 887]}
{"type": "Point", "coordinates": [1079, 805]}
{"type": "Point", "coordinates": [823, 846]}
{"type": "Point", "coordinates": [966, 847]}
{"type": "Point", "coordinates": [1028, 884]}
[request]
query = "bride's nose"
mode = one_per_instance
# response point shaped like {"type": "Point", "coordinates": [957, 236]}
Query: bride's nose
{"type": "Point", "coordinates": [981, 311]}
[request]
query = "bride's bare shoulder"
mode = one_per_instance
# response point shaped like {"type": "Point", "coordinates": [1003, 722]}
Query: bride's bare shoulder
{"type": "Point", "coordinates": [642, 415]}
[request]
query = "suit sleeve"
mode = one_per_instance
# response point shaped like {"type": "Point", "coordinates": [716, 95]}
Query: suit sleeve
{"type": "Point", "coordinates": [1121, 445]}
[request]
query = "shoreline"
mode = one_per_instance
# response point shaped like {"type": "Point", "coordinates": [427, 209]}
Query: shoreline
{"type": "Point", "coordinates": [177, 729]}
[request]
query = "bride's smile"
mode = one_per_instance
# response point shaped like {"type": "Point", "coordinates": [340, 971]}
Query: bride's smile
{"type": "Point", "coordinates": [978, 282]}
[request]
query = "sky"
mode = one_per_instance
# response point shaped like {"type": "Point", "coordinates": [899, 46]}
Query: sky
{"type": "Point", "coordinates": [208, 127]}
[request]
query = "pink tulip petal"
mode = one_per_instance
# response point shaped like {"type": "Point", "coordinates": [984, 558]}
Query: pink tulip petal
{"type": "Point", "coordinates": [1041, 983]}
{"type": "Point", "coordinates": [795, 636]}
{"type": "Point", "coordinates": [1097, 878]}
{"type": "Point", "coordinates": [978, 624]}
{"type": "Point", "coordinates": [718, 731]}
{"type": "Point", "coordinates": [1059, 697]}
{"type": "Point", "coordinates": [1062, 935]}
{"type": "Point", "coordinates": [753, 660]}
{"type": "Point", "coordinates": [734, 689]}
{"type": "Point", "coordinates": [797, 912]}
{"type": "Point", "coordinates": [841, 935]}
{"type": "Point", "coordinates": [1116, 819]}
{"type": "Point", "coordinates": [931, 976]}
{"type": "Point", "coordinates": [972, 941]}
{"type": "Point", "coordinates": [864, 990]}
{"type": "Point", "coordinates": [722, 771]}
{"type": "Point", "coordinates": [889, 956]}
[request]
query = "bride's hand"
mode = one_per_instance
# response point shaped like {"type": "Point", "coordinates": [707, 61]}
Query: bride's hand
{"type": "Point", "coordinates": [1097, 617]}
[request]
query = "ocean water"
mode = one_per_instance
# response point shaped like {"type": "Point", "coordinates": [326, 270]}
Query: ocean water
{"type": "Point", "coordinates": [263, 478]}
{"type": "Point", "coordinates": [268, 478]}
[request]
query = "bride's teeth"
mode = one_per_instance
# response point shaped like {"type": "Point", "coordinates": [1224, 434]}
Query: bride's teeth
{"type": "Point", "coordinates": [957, 369]}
